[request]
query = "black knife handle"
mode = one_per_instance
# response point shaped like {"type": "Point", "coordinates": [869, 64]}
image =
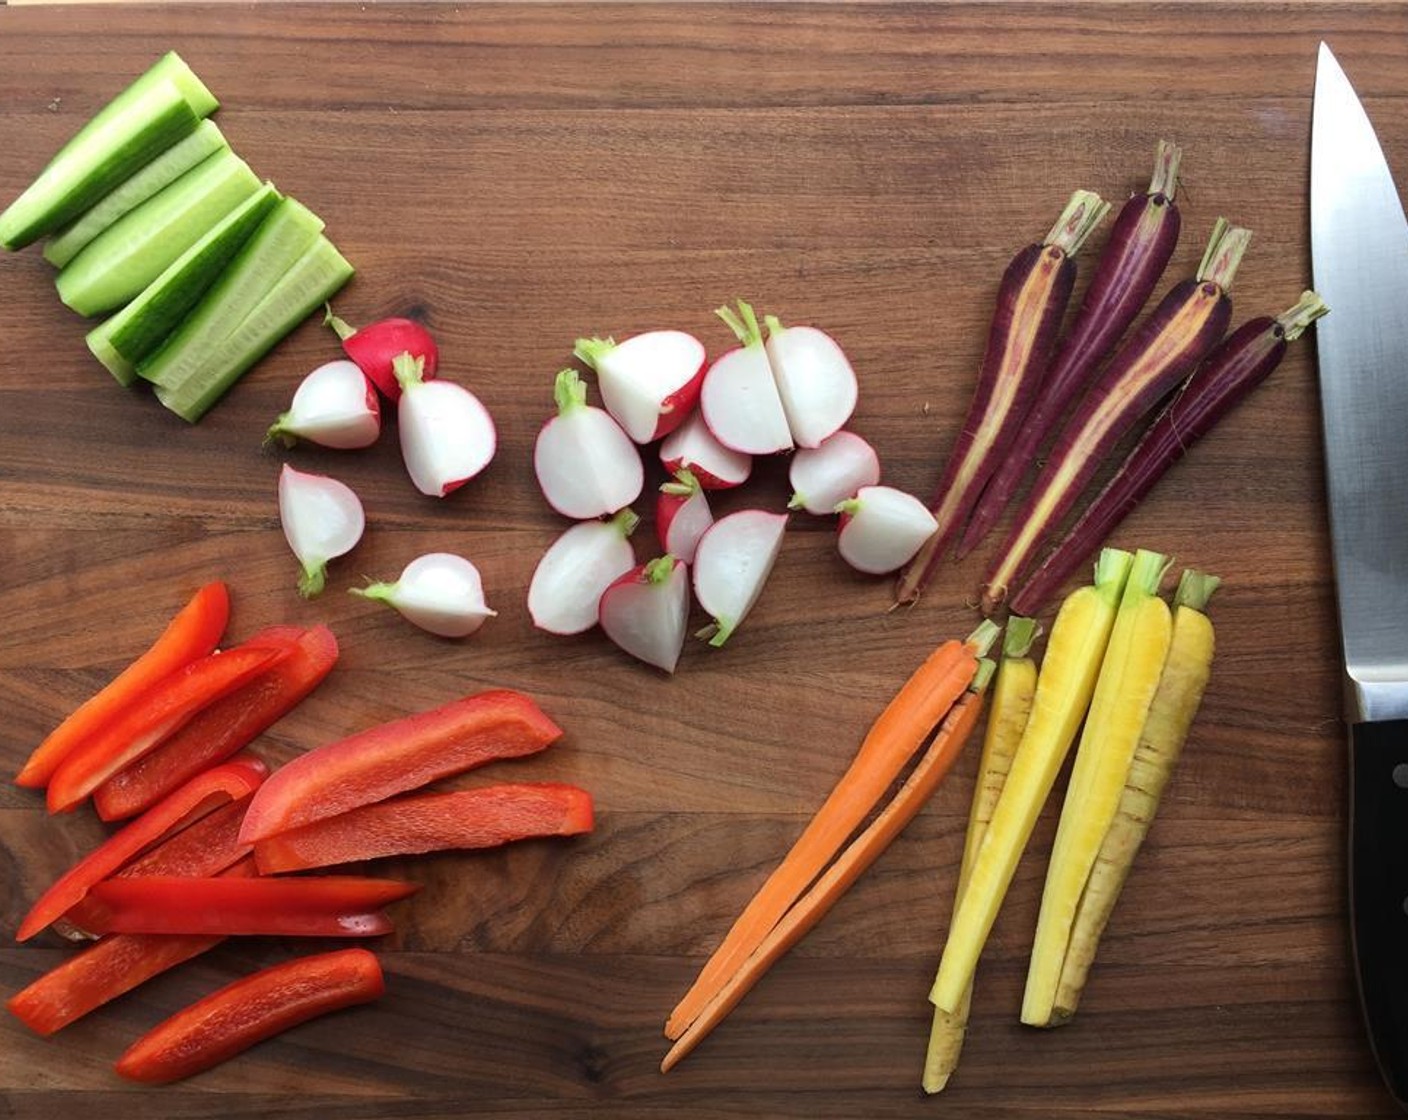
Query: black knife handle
{"type": "Point", "coordinates": [1378, 891]}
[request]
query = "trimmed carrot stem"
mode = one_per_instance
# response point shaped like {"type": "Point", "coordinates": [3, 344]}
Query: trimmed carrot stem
{"type": "Point", "coordinates": [954, 732]}
{"type": "Point", "coordinates": [897, 733]}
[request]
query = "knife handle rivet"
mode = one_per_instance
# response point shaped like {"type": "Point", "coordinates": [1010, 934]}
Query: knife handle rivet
{"type": "Point", "coordinates": [1400, 775]}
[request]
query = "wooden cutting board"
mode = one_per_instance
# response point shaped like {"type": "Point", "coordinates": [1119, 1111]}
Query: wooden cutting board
{"type": "Point", "coordinates": [521, 175]}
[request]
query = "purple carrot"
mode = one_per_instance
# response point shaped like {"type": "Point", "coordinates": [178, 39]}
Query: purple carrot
{"type": "Point", "coordinates": [1140, 245]}
{"type": "Point", "coordinates": [1163, 351]}
{"type": "Point", "coordinates": [1031, 302]}
{"type": "Point", "coordinates": [1234, 369]}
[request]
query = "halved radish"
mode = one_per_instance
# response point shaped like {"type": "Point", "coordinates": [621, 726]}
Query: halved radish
{"type": "Point", "coordinates": [649, 383]}
{"type": "Point", "coordinates": [731, 565]}
{"type": "Point", "coordinates": [834, 471]}
{"type": "Point", "coordinates": [335, 406]}
{"type": "Point", "coordinates": [739, 397]}
{"type": "Point", "coordinates": [440, 592]}
{"type": "Point", "coordinates": [882, 528]}
{"type": "Point", "coordinates": [582, 563]}
{"type": "Point", "coordinates": [322, 519]}
{"type": "Point", "coordinates": [646, 611]}
{"type": "Point", "coordinates": [682, 516]}
{"type": "Point", "coordinates": [693, 446]}
{"type": "Point", "coordinates": [447, 435]}
{"type": "Point", "coordinates": [586, 465]}
{"type": "Point", "coordinates": [814, 379]}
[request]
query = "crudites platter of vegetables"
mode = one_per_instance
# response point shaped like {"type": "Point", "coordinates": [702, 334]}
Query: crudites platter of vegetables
{"type": "Point", "coordinates": [704, 560]}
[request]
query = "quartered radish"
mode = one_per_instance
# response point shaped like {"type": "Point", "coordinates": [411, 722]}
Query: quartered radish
{"type": "Point", "coordinates": [447, 435]}
{"type": "Point", "coordinates": [334, 406]}
{"type": "Point", "coordinates": [830, 473]}
{"type": "Point", "coordinates": [882, 528]}
{"type": "Point", "coordinates": [739, 397]}
{"type": "Point", "coordinates": [376, 347]}
{"type": "Point", "coordinates": [693, 446]}
{"type": "Point", "coordinates": [682, 516]}
{"type": "Point", "coordinates": [649, 383]}
{"type": "Point", "coordinates": [731, 565]}
{"type": "Point", "coordinates": [439, 592]}
{"type": "Point", "coordinates": [582, 563]}
{"type": "Point", "coordinates": [646, 611]}
{"type": "Point", "coordinates": [322, 520]}
{"type": "Point", "coordinates": [814, 380]}
{"type": "Point", "coordinates": [586, 464]}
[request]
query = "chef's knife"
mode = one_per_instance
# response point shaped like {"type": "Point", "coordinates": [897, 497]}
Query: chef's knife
{"type": "Point", "coordinates": [1359, 248]}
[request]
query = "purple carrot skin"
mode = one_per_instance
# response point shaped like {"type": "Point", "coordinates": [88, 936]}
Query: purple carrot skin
{"type": "Point", "coordinates": [1163, 351]}
{"type": "Point", "coordinates": [1031, 302]}
{"type": "Point", "coordinates": [1245, 359]}
{"type": "Point", "coordinates": [1141, 243]}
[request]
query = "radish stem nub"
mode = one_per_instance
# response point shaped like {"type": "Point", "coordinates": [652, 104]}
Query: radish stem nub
{"type": "Point", "coordinates": [569, 391]}
{"type": "Point", "coordinates": [744, 324]}
{"type": "Point", "coordinates": [408, 370]}
{"type": "Point", "coordinates": [342, 329]}
{"type": "Point", "coordinates": [590, 350]}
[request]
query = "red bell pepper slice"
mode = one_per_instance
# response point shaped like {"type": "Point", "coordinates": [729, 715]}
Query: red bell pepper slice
{"type": "Point", "coordinates": [192, 634]}
{"type": "Point", "coordinates": [107, 969]}
{"type": "Point", "coordinates": [214, 1029]}
{"type": "Point", "coordinates": [398, 756]}
{"type": "Point", "coordinates": [231, 782]}
{"type": "Point", "coordinates": [430, 822]}
{"type": "Point", "coordinates": [158, 715]}
{"type": "Point", "coordinates": [225, 726]}
{"type": "Point", "coordinates": [322, 906]}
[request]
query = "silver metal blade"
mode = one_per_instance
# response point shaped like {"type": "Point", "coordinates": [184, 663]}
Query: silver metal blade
{"type": "Point", "coordinates": [1359, 246]}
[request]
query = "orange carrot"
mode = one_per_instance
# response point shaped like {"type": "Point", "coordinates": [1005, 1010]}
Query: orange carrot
{"type": "Point", "coordinates": [891, 742]}
{"type": "Point", "coordinates": [849, 866]}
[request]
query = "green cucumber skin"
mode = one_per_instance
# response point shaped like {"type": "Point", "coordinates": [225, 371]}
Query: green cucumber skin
{"type": "Point", "coordinates": [144, 120]}
{"type": "Point", "coordinates": [310, 283]}
{"type": "Point", "coordinates": [132, 252]}
{"type": "Point", "coordinates": [285, 235]}
{"type": "Point", "coordinates": [205, 141]}
{"type": "Point", "coordinates": [139, 328]}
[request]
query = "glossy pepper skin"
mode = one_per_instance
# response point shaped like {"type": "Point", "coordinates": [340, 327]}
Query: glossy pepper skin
{"type": "Point", "coordinates": [254, 1008]}
{"type": "Point", "coordinates": [192, 634]}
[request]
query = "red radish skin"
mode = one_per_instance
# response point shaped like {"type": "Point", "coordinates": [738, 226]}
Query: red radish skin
{"type": "Point", "coordinates": [646, 612]}
{"type": "Point", "coordinates": [376, 347]}
{"type": "Point", "coordinates": [1243, 361]}
{"type": "Point", "coordinates": [739, 398]}
{"type": "Point", "coordinates": [814, 380]}
{"type": "Point", "coordinates": [821, 477]}
{"type": "Point", "coordinates": [586, 464]}
{"type": "Point", "coordinates": [650, 382]}
{"type": "Point", "coordinates": [1141, 243]}
{"type": "Point", "coordinates": [1165, 349]}
{"type": "Point", "coordinates": [1031, 302]}
{"type": "Point", "coordinates": [682, 516]}
{"type": "Point", "coordinates": [565, 591]}
{"type": "Point", "coordinates": [694, 447]}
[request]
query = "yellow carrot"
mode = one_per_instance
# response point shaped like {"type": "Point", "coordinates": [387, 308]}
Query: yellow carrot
{"type": "Point", "coordinates": [1175, 704]}
{"type": "Point", "coordinates": [1011, 705]}
{"type": "Point", "coordinates": [1129, 677]}
{"type": "Point", "coordinates": [1064, 686]}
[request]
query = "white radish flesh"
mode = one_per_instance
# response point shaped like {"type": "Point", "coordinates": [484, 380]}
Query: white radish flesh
{"type": "Point", "coordinates": [322, 519]}
{"type": "Point", "coordinates": [334, 406]}
{"type": "Point", "coordinates": [586, 465]}
{"type": "Point", "coordinates": [439, 592]}
{"type": "Point", "coordinates": [823, 476]}
{"type": "Point", "coordinates": [732, 564]}
{"type": "Point", "coordinates": [814, 380]}
{"type": "Point", "coordinates": [682, 516]}
{"type": "Point", "coordinates": [447, 435]}
{"type": "Point", "coordinates": [567, 584]}
{"type": "Point", "coordinates": [882, 528]}
{"type": "Point", "coordinates": [739, 397]}
{"type": "Point", "coordinates": [650, 382]}
{"type": "Point", "coordinates": [693, 446]}
{"type": "Point", "coordinates": [646, 612]}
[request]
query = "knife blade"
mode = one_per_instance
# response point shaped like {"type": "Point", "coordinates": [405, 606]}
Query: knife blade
{"type": "Point", "coordinates": [1359, 252]}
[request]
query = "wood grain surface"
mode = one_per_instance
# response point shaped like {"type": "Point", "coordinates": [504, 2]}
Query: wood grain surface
{"type": "Point", "coordinates": [519, 176]}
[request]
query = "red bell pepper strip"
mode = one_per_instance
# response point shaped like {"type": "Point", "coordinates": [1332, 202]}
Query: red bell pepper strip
{"type": "Point", "coordinates": [192, 634]}
{"type": "Point", "coordinates": [233, 781]}
{"type": "Point", "coordinates": [398, 756]}
{"type": "Point", "coordinates": [105, 970]}
{"type": "Point", "coordinates": [430, 822]}
{"type": "Point", "coordinates": [225, 726]}
{"type": "Point", "coordinates": [214, 1029]}
{"type": "Point", "coordinates": [307, 906]}
{"type": "Point", "coordinates": [162, 712]}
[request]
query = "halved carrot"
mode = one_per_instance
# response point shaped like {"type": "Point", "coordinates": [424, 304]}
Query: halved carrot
{"type": "Point", "coordinates": [891, 742]}
{"type": "Point", "coordinates": [953, 733]}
